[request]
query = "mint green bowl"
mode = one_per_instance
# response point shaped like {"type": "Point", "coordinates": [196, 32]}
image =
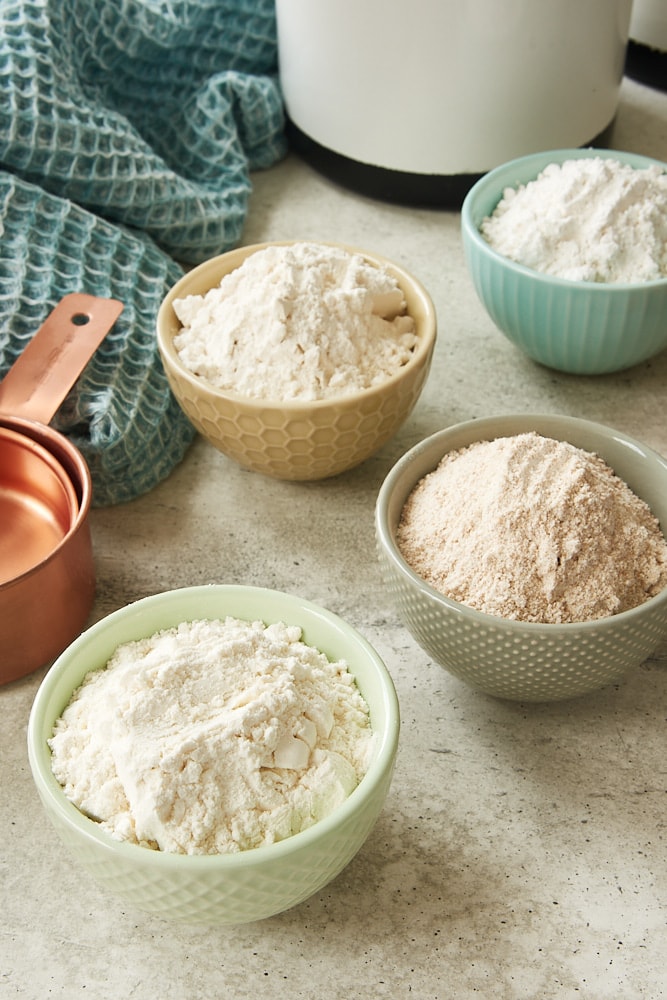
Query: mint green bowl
{"type": "Point", "coordinates": [585, 328]}
{"type": "Point", "coordinates": [516, 660]}
{"type": "Point", "coordinates": [229, 888]}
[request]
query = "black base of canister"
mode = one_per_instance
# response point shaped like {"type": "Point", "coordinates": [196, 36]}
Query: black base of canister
{"type": "Point", "coordinates": [646, 65]}
{"type": "Point", "coordinates": [397, 186]}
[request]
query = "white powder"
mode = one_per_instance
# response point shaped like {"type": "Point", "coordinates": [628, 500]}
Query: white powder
{"type": "Point", "coordinates": [213, 737]}
{"type": "Point", "coordinates": [304, 321]}
{"type": "Point", "coordinates": [533, 529]}
{"type": "Point", "coordinates": [589, 219]}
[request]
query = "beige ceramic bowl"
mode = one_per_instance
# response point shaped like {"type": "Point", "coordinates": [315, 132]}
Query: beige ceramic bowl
{"type": "Point", "coordinates": [296, 440]}
{"type": "Point", "coordinates": [523, 661]}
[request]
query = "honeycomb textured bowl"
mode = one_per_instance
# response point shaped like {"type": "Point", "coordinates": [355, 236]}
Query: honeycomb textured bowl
{"type": "Point", "coordinates": [522, 661]}
{"type": "Point", "coordinates": [296, 439]}
{"type": "Point", "coordinates": [584, 328]}
{"type": "Point", "coordinates": [231, 888]}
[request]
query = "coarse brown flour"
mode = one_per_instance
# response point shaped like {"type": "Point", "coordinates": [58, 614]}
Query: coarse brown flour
{"type": "Point", "coordinates": [533, 529]}
{"type": "Point", "coordinates": [303, 321]}
{"type": "Point", "coordinates": [213, 737]}
{"type": "Point", "coordinates": [591, 219]}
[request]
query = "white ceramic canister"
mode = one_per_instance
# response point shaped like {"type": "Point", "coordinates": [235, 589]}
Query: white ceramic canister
{"type": "Point", "coordinates": [648, 24]}
{"type": "Point", "coordinates": [414, 100]}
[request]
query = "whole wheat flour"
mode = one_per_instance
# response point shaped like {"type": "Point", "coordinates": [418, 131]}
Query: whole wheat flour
{"type": "Point", "coordinates": [305, 321]}
{"type": "Point", "coordinates": [213, 737]}
{"type": "Point", "coordinates": [591, 219]}
{"type": "Point", "coordinates": [533, 529]}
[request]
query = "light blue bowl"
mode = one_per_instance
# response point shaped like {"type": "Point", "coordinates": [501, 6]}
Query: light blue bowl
{"type": "Point", "coordinates": [581, 327]}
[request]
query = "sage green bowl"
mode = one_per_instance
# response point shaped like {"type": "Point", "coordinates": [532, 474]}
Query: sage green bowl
{"type": "Point", "coordinates": [580, 327]}
{"type": "Point", "coordinates": [225, 888]}
{"type": "Point", "coordinates": [515, 660]}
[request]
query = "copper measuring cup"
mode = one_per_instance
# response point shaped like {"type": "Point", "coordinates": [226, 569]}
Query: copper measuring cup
{"type": "Point", "coordinates": [47, 574]}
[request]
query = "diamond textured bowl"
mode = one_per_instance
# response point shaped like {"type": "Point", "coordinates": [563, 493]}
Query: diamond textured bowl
{"type": "Point", "coordinates": [227, 888]}
{"type": "Point", "coordinates": [522, 661]}
{"type": "Point", "coordinates": [581, 327]}
{"type": "Point", "coordinates": [296, 439]}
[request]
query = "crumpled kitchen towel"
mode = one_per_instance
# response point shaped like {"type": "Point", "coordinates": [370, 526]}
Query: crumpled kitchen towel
{"type": "Point", "coordinates": [128, 131]}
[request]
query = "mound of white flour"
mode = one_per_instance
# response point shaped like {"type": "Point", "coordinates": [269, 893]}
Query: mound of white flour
{"type": "Point", "coordinates": [213, 737]}
{"type": "Point", "coordinates": [305, 321]}
{"type": "Point", "coordinates": [591, 219]}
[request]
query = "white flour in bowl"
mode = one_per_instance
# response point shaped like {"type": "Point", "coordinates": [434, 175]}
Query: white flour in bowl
{"type": "Point", "coordinates": [301, 321]}
{"type": "Point", "coordinates": [592, 219]}
{"type": "Point", "coordinates": [533, 529]}
{"type": "Point", "coordinates": [213, 737]}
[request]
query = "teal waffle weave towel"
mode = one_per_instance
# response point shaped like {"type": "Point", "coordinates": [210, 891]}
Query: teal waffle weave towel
{"type": "Point", "coordinates": [128, 132]}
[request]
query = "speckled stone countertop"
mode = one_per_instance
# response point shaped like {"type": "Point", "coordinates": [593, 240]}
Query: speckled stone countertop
{"type": "Point", "coordinates": [522, 852]}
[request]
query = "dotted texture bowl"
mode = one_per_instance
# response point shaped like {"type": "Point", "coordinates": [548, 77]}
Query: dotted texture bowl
{"type": "Point", "coordinates": [522, 661]}
{"type": "Point", "coordinates": [230, 888]}
{"type": "Point", "coordinates": [296, 439]}
{"type": "Point", "coordinates": [578, 327]}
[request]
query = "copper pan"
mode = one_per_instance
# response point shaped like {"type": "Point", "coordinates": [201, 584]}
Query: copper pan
{"type": "Point", "coordinates": [47, 574]}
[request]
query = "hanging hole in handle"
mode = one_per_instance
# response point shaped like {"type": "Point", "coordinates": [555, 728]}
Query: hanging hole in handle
{"type": "Point", "coordinates": [40, 378]}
